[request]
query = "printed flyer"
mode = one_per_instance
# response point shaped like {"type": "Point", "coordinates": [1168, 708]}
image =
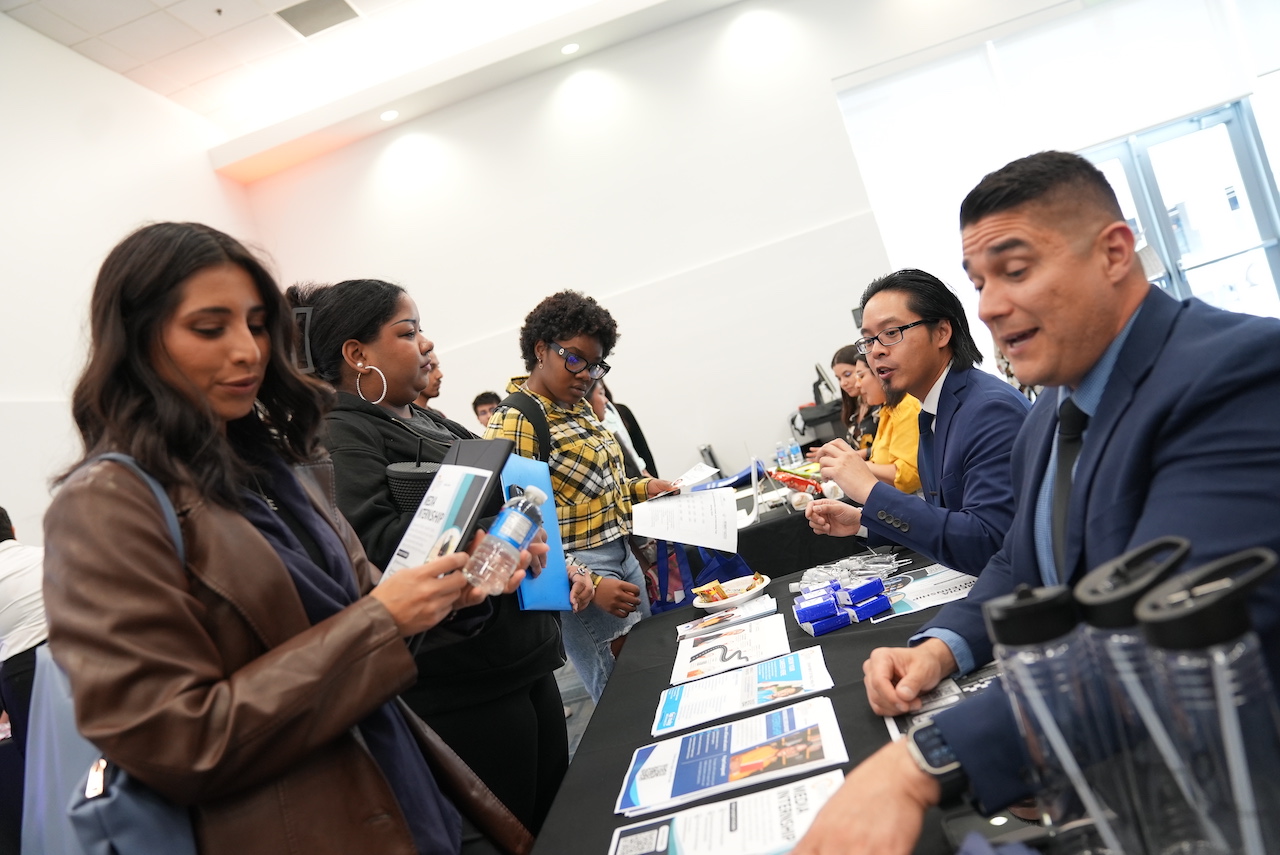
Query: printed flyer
{"type": "Point", "coordinates": [769, 822]}
{"type": "Point", "coordinates": [725, 618]}
{"type": "Point", "coordinates": [445, 514]}
{"type": "Point", "coordinates": [948, 693]}
{"type": "Point", "coordinates": [794, 740]}
{"type": "Point", "coordinates": [726, 649]}
{"type": "Point", "coordinates": [916, 590]}
{"type": "Point", "coordinates": [784, 678]}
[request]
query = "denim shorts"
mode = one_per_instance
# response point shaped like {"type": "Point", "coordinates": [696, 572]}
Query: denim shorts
{"type": "Point", "coordinates": [587, 633]}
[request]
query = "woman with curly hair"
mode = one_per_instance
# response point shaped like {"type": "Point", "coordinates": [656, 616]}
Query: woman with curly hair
{"type": "Point", "coordinates": [564, 342]}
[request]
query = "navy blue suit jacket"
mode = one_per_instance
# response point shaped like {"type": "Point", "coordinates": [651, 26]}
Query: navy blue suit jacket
{"type": "Point", "coordinates": [1186, 441]}
{"type": "Point", "coordinates": [964, 522]}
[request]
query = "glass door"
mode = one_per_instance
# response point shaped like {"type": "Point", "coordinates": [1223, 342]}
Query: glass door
{"type": "Point", "coordinates": [1201, 197]}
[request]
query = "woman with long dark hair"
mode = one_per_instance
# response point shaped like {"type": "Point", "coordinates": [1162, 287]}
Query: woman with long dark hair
{"type": "Point", "coordinates": [852, 407]}
{"type": "Point", "coordinates": [255, 683]}
{"type": "Point", "coordinates": [494, 697]}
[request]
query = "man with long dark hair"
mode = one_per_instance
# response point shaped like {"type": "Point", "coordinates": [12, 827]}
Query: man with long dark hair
{"type": "Point", "coordinates": [917, 341]}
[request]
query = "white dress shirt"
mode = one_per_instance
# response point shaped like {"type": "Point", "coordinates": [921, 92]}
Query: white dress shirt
{"type": "Point", "coordinates": [22, 623]}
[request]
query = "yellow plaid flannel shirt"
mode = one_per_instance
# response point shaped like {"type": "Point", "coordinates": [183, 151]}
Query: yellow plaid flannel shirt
{"type": "Point", "coordinates": [592, 492]}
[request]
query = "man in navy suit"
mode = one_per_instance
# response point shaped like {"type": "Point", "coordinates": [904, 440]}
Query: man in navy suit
{"type": "Point", "coordinates": [917, 341]}
{"type": "Point", "coordinates": [1179, 405]}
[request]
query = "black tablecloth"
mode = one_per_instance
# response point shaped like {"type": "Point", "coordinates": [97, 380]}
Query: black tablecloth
{"type": "Point", "coordinates": [582, 819]}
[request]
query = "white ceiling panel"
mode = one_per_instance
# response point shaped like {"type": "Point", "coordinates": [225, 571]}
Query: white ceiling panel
{"type": "Point", "coordinates": [211, 17]}
{"type": "Point", "coordinates": [373, 7]}
{"type": "Point", "coordinates": [98, 16]}
{"type": "Point", "coordinates": [40, 19]}
{"type": "Point", "coordinates": [194, 100]}
{"type": "Point", "coordinates": [258, 39]}
{"type": "Point", "coordinates": [7, 5]}
{"type": "Point", "coordinates": [158, 34]}
{"type": "Point", "coordinates": [105, 54]}
{"type": "Point", "coordinates": [200, 61]}
{"type": "Point", "coordinates": [154, 80]}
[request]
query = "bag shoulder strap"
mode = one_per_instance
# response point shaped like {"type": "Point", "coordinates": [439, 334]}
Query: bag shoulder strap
{"type": "Point", "coordinates": [532, 410]}
{"type": "Point", "coordinates": [166, 504]}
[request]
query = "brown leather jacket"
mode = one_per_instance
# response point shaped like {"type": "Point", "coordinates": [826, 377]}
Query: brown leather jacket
{"type": "Point", "coordinates": [208, 682]}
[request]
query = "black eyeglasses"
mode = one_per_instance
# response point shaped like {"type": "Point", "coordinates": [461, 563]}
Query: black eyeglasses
{"type": "Point", "coordinates": [576, 364]}
{"type": "Point", "coordinates": [889, 337]}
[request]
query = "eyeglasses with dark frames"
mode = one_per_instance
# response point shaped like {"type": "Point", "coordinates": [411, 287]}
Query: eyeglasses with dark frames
{"type": "Point", "coordinates": [890, 336]}
{"type": "Point", "coordinates": [576, 364]}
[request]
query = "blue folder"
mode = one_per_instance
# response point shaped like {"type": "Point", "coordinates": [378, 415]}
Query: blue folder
{"type": "Point", "coordinates": [550, 591]}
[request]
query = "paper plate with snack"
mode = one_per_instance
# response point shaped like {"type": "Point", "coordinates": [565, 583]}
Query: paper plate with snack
{"type": "Point", "coordinates": [715, 596]}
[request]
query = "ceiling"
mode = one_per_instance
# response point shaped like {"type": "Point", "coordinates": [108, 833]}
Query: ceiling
{"type": "Point", "coordinates": [281, 98]}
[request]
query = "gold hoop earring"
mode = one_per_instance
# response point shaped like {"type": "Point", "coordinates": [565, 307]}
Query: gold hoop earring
{"type": "Point", "coordinates": [384, 384]}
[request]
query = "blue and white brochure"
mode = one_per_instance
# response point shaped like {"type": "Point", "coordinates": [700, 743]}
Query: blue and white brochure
{"type": "Point", "coordinates": [770, 822]}
{"type": "Point", "coordinates": [785, 678]}
{"type": "Point", "coordinates": [796, 740]}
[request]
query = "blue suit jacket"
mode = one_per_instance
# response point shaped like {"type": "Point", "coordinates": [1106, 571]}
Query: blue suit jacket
{"type": "Point", "coordinates": [1186, 441]}
{"type": "Point", "coordinates": [964, 522]}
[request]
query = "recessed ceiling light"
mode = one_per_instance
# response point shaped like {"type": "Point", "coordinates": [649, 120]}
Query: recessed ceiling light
{"type": "Point", "coordinates": [390, 115]}
{"type": "Point", "coordinates": [999, 820]}
{"type": "Point", "coordinates": [572, 47]}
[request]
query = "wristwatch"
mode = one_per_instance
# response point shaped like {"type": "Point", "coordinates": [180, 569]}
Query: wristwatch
{"type": "Point", "coordinates": [935, 758]}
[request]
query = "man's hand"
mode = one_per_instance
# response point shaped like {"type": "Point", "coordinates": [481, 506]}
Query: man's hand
{"type": "Point", "coordinates": [895, 677]}
{"type": "Point", "coordinates": [827, 516]}
{"type": "Point", "coordinates": [879, 809]}
{"type": "Point", "coordinates": [617, 597]}
{"type": "Point", "coordinates": [846, 467]}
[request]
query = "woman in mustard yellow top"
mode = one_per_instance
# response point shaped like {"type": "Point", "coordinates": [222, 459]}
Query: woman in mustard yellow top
{"type": "Point", "coordinates": [892, 457]}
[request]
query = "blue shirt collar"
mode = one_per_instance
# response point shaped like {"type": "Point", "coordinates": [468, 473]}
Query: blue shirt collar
{"type": "Point", "coordinates": [1088, 394]}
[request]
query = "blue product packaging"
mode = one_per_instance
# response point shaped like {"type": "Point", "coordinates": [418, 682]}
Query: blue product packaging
{"type": "Point", "coordinates": [830, 624]}
{"type": "Point", "coordinates": [829, 585]}
{"type": "Point", "coordinates": [870, 608]}
{"type": "Point", "coordinates": [866, 590]}
{"type": "Point", "coordinates": [807, 610]}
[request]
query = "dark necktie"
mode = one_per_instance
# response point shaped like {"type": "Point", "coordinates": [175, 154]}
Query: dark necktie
{"type": "Point", "coordinates": [924, 463]}
{"type": "Point", "coordinates": [1071, 424]}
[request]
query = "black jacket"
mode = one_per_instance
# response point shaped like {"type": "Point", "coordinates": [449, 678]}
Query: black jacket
{"type": "Point", "coordinates": [515, 648]}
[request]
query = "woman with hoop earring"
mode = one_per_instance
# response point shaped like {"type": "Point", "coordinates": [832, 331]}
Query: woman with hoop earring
{"type": "Point", "coordinates": [493, 697]}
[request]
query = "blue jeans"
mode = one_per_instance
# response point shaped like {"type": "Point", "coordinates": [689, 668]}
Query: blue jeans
{"type": "Point", "coordinates": [587, 633]}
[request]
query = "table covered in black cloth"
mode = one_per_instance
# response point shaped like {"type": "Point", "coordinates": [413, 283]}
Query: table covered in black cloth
{"type": "Point", "coordinates": [582, 820]}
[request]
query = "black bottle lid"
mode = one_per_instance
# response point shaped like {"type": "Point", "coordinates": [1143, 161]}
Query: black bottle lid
{"type": "Point", "coordinates": [1030, 615]}
{"type": "Point", "coordinates": [1205, 606]}
{"type": "Point", "coordinates": [1108, 594]}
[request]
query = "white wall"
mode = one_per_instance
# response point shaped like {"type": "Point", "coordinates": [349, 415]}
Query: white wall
{"type": "Point", "coordinates": [86, 156]}
{"type": "Point", "coordinates": [698, 181]}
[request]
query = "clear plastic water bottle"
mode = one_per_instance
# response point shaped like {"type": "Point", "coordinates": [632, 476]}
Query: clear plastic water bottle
{"type": "Point", "coordinates": [1218, 697]}
{"type": "Point", "coordinates": [1047, 673]}
{"type": "Point", "coordinates": [794, 453]}
{"type": "Point", "coordinates": [495, 559]}
{"type": "Point", "coordinates": [781, 454]}
{"type": "Point", "coordinates": [1157, 798]}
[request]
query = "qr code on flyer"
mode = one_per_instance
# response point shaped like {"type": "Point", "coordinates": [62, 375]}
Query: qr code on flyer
{"type": "Point", "coordinates": [640, 843]}
{"type": "Point", "coordinates": [650, 772]}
